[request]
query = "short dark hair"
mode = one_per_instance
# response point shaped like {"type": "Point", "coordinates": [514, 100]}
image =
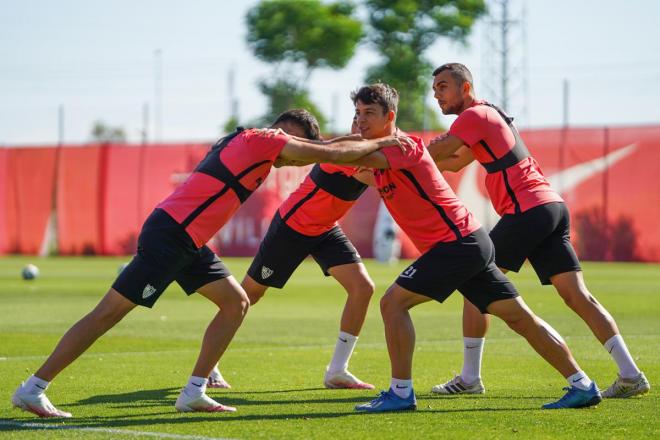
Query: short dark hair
{"type": "Point", "coordinates": [303, 119]}
{"type": "Point", "coordinates": [379, 93]}
{"type": "Point", "coordinates": [458, 71]}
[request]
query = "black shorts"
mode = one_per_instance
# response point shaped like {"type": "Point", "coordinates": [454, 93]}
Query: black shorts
{"type": "Point", "coordinates": [283, 249]}
{"type": "Point", "coordinates": [166, 253]}
{"type": "Point", "coordinates": [466, 265]}
{"type": "Point", "coordinates": [542, 235]}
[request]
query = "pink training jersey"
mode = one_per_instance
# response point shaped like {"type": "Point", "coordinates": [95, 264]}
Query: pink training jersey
{"type": "Point", "coordinates": [420, 200]}
{"type": "Point", "coordinates": [225, 178]}
{"type": "Point", "coordinates": [326, 194]}
{"type": "Point", "coordinates": [519, 187]}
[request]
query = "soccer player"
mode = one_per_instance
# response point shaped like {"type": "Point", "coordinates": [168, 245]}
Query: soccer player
{"type": "Point", "coordinates": [306, 224]}
{"type": "Point", "coordinates": [534, 226]}
{"type": "Point", "coordinates": [457, 254]}
{"type": "Point", "coordinates": [171, 247]}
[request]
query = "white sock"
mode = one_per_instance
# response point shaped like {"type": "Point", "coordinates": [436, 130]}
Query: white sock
{"type": "Point", "coordinates": [196, 386]}
{"type": "Point", "coordinates": [616, 347]}
{"type": "Point", "coordinates": [34, 385]}
{"type": "Point", "coordinates": [343, 351]}
{"type": "Point", "coordinates": [579, 380]}
{"type": "Point", "coordinates": [401, 387]}
{"type": "Point", "coordinates": [473, 350]}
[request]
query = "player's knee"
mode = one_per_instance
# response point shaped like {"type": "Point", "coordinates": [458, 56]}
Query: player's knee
{"type": "Point", "coordinates": [388, 303]}
{"type": "Point", "coordinates": [237, 307]}
{"type": "Point", "coordinates": [363, 289]}
{"type": "Point", "coordinates": [578, 299]}
{"type": "Point", "coordinates": [517, 318]}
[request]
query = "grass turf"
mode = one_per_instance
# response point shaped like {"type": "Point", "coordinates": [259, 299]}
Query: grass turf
{"type": "Point", "coordinates": [127, 382]}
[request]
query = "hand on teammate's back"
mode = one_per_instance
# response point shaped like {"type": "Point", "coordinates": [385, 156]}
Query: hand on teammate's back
{"type": "Point", "coordinates": [403, 142]}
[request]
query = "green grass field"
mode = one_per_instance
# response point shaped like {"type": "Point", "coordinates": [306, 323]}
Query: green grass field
{"type": "Point", "coordinates": [125, 386]}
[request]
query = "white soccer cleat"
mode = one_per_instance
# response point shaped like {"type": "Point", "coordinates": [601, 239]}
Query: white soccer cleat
{"type": "Point", "coordinates": [458, 386]}
{"type": "Point", "coordinates": [36, 404]}
{"type": "Point", "coordinates": [344, 380]}
{"type": "Point", "coordinates": [623, 388]}
{"type": "Point", "coordinates": [203, 403]}
{"type": "Point", "coordinates": [216, 380]}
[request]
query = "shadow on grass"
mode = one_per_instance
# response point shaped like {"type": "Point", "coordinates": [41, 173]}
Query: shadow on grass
{"type": "Point", "coordinates": [131, 420]}
{"type": "Point", "coordinates": [165, 397]}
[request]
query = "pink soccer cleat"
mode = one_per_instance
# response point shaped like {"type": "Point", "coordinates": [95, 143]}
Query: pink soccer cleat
{"type": "Point", "coordinates": [344, 380]}
{"type": "Point", "coordinates": [36, 404]}
{"type": "Point", "coordinates": [216, 380]}
{"type": "Point", "coordinates": [203, 403]}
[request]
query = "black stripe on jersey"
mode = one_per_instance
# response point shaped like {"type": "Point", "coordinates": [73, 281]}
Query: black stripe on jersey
{"type": "Point", "coordinates": [488, 150]}
{"type": "Point", "coordinates": [193, 215]}
{"type": "Point", "coordinates": [300, 203]}
{"type": "Point", "coordinates": [517, 153]}
{"type": "Point", "coordinates": [438, 208]}
{"type": "Point", "coordinates": [234, 181]}
{"type": "Point", "coordinates": [509, 190]}
{"type": "Point", "coordinates": [242, 174]}
{"type": "Point", "coordinates": [338, 184]}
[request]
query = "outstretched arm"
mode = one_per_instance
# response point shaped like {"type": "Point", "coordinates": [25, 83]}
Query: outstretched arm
{"type": "Point", "coordinates": [444, 146]}
{"type": "Point", "coordinates": [299, 152]}
{"type": "Point", "coordinates": [457, 161]}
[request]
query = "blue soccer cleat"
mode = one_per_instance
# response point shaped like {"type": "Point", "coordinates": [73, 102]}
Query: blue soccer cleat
{"type": "Point", "coordinates": [577, 398]}
{"type": "Point", "coordinates": [388, 401]}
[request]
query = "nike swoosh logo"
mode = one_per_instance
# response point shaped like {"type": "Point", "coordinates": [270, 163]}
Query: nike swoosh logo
{"type": "Point", "coordinates": [578, 379]}
{"type": "Point", "coordinates": [43, 388]}
{"type": "Point", "coordinates": [343, 340]}
{"type": "Point", "coordinates": [610, 352]}
{"type": "Point", "coordinates": [401, 387]}
{"type": "Point", "coordinates": [471, 346]}
{"type": "Point", "coordinates": [197, 384]}
{"type": "Point", "coordinates": [563, 181]}
{"type": "Point", "coordinates": [576, 174]}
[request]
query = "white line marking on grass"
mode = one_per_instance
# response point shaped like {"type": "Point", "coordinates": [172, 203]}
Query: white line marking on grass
{"type": "Point", "coordinates": [127, 432]}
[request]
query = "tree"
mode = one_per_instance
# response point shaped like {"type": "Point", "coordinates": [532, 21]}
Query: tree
{"type": "Point", "coordinates": [299, 37]}
{"type": "Point", "coordinates": [402, 30]}
{"type": "Point", "coordinates": [102, 132]}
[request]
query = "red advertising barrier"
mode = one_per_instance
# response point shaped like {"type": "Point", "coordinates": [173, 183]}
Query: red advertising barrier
{"type": "Point", "coordinates": [78, 201]}
{"type": "Point", "coordinates": [4, 201]}
{"type": "Point", "coordinates": [26, 182]}
{"type": "Point", "coordinates": [608, 177]}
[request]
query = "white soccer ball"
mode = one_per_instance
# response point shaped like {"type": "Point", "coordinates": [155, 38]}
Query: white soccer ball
{"type": "Point", "coordinates": [30, 272]}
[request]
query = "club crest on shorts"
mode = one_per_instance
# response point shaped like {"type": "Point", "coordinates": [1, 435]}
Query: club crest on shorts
{"type": "Point", "coordinates": [266, 272]}
{"type": "Point", "coordinates": [408, 273]}
{"type": "Point", "coordinates": [148, 291]}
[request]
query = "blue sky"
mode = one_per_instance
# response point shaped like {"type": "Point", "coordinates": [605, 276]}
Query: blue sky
{"type": "Point", "coordinates": [97, 60]}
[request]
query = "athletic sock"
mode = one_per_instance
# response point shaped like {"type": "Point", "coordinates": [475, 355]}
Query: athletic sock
{"type": "Point", "coordinates": [473, 349]}
{"type": "Point", "coordinates": [617, 348]}
{"type": "Point", "coordinates": [343, 351]}
{"type": "Point", "coordinates": [196, 386]}
{"type": "Point", "coordinates": [579, 380]}
{"type": "Point", "coordinates": [401, 387]}
{"type": "Point", "coordinates": [34, 385]}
